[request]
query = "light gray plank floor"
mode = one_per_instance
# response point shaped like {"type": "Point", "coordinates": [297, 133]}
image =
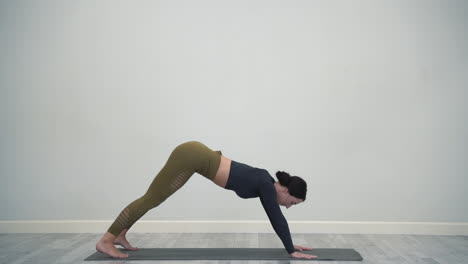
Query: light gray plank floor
{"type": "Point", "coordinates": [382, 249]}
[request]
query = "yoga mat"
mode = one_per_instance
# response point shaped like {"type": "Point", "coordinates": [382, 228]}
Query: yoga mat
{"type": "Point", "coordinates": [342, 254]}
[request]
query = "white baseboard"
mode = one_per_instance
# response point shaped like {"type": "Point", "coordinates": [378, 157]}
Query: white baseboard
{"type": "Point", "coordinates": [205, 226]}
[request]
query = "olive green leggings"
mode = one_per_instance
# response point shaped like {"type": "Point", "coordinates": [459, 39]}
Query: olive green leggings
{"type": "Point", "coordinates": [186, 159]}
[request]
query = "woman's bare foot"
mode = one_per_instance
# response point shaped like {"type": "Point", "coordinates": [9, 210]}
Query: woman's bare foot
{"type": "Point", "coordinates": [106, 246]}
{"type": "Point", "coordinates": [121, 240]}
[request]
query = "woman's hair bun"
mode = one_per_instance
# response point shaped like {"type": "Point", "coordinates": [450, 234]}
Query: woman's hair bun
{"type": "Point", "coordinates": [297, 187]}
{"type": "Point", "coordinates": [283, 177]}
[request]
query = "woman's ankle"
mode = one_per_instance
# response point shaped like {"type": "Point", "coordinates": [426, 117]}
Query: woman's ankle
{"type": "Point", "coordinates": [108, 237]}
{"type": "Point", "coordinates": [123, 233]}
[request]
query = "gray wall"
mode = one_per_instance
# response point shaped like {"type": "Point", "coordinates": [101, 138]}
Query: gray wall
{"type": "Point", "coordinates": [366, 100]}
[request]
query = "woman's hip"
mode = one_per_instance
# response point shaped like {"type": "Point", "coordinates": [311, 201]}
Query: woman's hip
{"type": "Point", "coordinates": [198, 156]}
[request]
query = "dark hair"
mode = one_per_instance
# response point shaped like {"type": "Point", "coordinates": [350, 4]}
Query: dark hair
{"type": "Point", "coordinates": [296, 185]}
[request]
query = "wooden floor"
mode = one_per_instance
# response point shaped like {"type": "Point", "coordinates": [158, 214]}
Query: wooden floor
{"type": "Point", "coordinates": [382, 249]}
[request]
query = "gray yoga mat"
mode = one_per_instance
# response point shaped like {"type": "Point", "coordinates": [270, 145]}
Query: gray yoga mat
{"type": "Point", "coordinates": [342, 254]}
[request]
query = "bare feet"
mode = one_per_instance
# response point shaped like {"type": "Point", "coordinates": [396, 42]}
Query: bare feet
{"type": "Point", "coordinates": [109, 249]}
{"type": "Point", "coordinates": [121, 240]}
{"type": "Point", "coordinates": [106, 246]}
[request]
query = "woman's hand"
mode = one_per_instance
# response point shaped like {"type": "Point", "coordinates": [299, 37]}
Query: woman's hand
{"type": "Point", "coordinates": [301, 248]}
{"type": "Point", "coordinates": [296, 254]}
{"type": "Point", "coordinates": [302, 255]}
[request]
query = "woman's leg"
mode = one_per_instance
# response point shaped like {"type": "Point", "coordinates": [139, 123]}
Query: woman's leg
{"type": "Point", "coordinates": [184, 161]}
{"type": "Point", "coordinates": [180, 166]}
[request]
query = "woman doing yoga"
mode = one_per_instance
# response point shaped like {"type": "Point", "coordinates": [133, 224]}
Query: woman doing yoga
{"type": "Point", "coordinates": [246, 181]}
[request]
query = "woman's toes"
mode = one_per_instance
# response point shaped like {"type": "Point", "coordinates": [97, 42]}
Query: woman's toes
{"type": "Point", "coordinates": [110, 250]}
{"type": "Point", "coordinates": [124, 243]}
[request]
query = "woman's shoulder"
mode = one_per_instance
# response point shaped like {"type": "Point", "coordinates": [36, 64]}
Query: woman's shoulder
{"type": "Point", "coordinates": [265, 176]}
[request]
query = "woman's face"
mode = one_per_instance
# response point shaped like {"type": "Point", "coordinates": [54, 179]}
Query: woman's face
{"type": "Point", "coordinates": [287, 200]}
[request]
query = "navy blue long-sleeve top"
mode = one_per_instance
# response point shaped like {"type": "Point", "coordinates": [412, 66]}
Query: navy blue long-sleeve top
{"type": "Point", "coordinates": [250, 182]}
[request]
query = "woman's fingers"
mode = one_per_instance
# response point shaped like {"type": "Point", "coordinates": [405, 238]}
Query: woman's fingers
{"type": "Point", "coordinates": [305, 248]}
{"type": "Point", "coordinates": [302, 255]}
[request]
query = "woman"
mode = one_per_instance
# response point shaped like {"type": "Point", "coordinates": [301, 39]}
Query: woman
{"type": "Point", "coordinates": [246, 181]}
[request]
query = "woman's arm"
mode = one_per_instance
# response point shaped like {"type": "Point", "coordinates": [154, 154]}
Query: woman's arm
{"type": "Point", "coordinates": [277, 220]}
